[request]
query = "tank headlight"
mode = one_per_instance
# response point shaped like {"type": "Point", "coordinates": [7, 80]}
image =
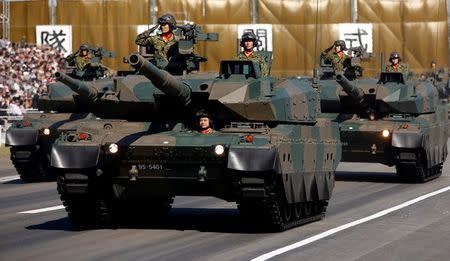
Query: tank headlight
{"type": "Point", "coordinates": [46, 131]}
{"type": "Point", "coordinates": [113, 148]}
{"type": "Point", "coordinates": [385, 133]}
{"type": "Point", "coordinates": [219, 150]}
{"type": "Point", "coordinates": [372, 116]}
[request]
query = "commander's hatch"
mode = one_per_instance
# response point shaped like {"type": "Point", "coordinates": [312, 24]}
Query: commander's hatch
{"type": "Point", "coordinates": [247, 68]}
{"type": "Point", "coordinates": [395, 77]}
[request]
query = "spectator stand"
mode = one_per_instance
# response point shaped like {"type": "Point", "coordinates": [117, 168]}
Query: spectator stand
{"type": "Point", "coordinates": [6, 122]}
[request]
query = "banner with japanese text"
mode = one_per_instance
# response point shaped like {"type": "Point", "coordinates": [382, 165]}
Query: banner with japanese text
{"type": "Point", "coordinates": [57, 36]}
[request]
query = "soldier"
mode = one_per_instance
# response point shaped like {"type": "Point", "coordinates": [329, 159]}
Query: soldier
{"type": "Point", "coordinates": [337, 57]}
{"type": "Point", "coordinates": [204, 122]}
{"type": "Point", "coordinates": [81, 58]}
{"type": "Point", "coordinates": [250, 41]}
{"type": "Point", "coordinates": [164, 43]}
{"type": "Point", "coordinates": [395, 64]}
{"type": "Point", "coordinates": [434, 73]}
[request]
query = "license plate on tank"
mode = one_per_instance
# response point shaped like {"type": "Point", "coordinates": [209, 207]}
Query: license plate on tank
{"type": "Point", "coordinates": [147, 169]}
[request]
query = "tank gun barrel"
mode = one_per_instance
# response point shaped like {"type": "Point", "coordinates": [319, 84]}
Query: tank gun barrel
{"type": "Point", "coordinates": [80, 87]}
{"type": "Point", "coordinates": [162, 80]}
{"type": "Point", "coordinates": [351, 89]}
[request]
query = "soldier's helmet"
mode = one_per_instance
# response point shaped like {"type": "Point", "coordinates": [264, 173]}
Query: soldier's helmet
{"type": "Point", "coordinates": [249, 36]}
{"type": "Point", "coordinates": [167, 19]}
{"type": "Point", "coordinates": [340, 43]}
{"type": "Point", "coordinates": [394, 55]}
{"type": "Point", "coordinates": [203, 114]}
{"type": "Point", "coordinates": [84, 47]}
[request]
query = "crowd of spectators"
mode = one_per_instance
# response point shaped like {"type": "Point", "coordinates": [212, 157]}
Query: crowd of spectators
{"type": "Point", "coordinates": [25, 71]}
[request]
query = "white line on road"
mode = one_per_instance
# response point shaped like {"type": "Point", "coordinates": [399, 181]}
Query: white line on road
{"type": "Point", "coordinates": [34, 211]}
{"type": "Point", "coordinates": [346, 226]}
{"type": "Point", "coordinates": [9, 178]}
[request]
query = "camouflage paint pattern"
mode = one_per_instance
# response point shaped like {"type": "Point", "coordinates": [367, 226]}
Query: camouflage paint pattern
{"type": "Point", "coordinates": [270, 131]}
{"type": "Point", "coordinates": [410, 111]}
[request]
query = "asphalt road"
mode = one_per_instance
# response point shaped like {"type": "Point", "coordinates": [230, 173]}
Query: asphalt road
{"type": "Point", "coordinates": [367, 219]}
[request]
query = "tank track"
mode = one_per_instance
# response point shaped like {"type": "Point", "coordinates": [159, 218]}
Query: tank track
{"type": "Point", "coordinates": [274, 213]}
{"type": "Point", "coordinates": [32, 165]}
{"type": "Point", "coordinates": [90, 203]}
{"type": "Point", "coordinates": [417, 171]}
{"type": "Point", "coordinates": [88, 206]}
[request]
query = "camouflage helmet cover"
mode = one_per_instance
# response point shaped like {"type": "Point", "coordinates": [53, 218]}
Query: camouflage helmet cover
{"type": "Point", "coordinates": [249, 36]}
{"type": "Point", "coordinates": [394, 55]}
{"type": "Point", "coordinates": [167, 19]}
{"type": "Point", "coordinates": [340, 43]}
{"type": "Point", "coordinates": [84, 47]}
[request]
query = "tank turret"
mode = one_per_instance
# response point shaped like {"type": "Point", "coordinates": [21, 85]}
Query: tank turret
{"type": "Point", "coordinates": [265, 146]}
{"type": "Point", "coordinates": [391, 120]}
{"type": "Point", "coordinates": [161, 79]}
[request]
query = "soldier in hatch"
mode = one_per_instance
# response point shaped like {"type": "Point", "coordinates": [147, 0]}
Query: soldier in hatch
{"type": "Point", "coordinates": [337, 57]}
{"type": "Point", "coordinates": [395, 64]}
{"type": "Point", "coordinates": [204, 122]}
{"type": "Point", "coordinates": [248, 42]}
{"type": "Point", "coordinates": [82, 58]}
{"type": "Point", "coordinates": [164, 44]}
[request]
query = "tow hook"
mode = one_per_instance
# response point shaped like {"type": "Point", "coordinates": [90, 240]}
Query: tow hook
{"type": "Point", "coordinates": [202, 174]}
{"type": "Point", "coordinates": [133, 172]}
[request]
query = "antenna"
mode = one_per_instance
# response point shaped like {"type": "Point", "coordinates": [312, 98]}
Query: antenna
{"type": "Point", "coordinates": [437, 43]}
{"type": "Point", "coordinates": [316, 35]}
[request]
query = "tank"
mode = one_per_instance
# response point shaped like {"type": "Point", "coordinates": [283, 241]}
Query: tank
{"type": "Point", "coordinates": [67, 103]}
{"type": "Point", "coordinates": [392, 120]}
{"type": "Point", "coordinates": [272, 152]}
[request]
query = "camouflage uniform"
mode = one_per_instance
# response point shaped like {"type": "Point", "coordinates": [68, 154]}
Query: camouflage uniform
{"type": "Point", "coordinates": [79, 60]}
{"type": "Point", "coordinates": [257, 58]}
{"type": "Point", "coordinates": [401, 68]}
{"type": "Point", "coordinates": [336, 60]}
{"type": "Point", "coordinates": [163, 50]}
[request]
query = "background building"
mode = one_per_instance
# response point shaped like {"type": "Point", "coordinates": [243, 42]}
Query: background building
{"type": "Point", "coordinates": [418, 29]}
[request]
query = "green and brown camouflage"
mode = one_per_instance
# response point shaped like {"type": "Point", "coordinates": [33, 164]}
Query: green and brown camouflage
{"type": "Point", "coordinates": [272, 152]}
{"type": "Point", "coordinates": [62, 108]}
{"type": "Point", "coordinates": [391, 120]}
{"type": "Point", "coordinates": [258, 58]}
{"type": "Point", "coordinates": [402, 68]}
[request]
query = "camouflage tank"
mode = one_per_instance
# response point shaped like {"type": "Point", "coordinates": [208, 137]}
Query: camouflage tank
{"type": "Point", "coordinates": [67, 103]}
{"type": "Point", "coordinates": [272, 154]}
{"type": "Point", "coordinates": [392, 120]}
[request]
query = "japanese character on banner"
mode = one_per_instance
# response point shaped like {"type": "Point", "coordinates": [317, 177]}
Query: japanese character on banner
{"type": "Point", "coordinates": [262, 31]}
{"type": "Point", "coordinates": [356, 35]}
{"type": "Point", "coordinates": [57, 36]}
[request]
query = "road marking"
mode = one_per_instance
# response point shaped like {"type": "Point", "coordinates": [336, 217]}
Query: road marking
{"type": "Point", "coordinates": [34, 211]}
{"type": "Point", "coordinates": [332, 231]}
{"type": "Point", "coordinates": [9, 178]}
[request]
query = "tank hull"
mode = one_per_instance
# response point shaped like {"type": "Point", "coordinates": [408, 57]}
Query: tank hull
{"type": "Point", "coordinates": [30, 144]}
{"type": "Point", "coordinates": [297, 161]}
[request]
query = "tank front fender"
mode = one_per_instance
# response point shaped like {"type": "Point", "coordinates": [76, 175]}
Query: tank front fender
{"type": "Point", "coordinates": [74, 157]}
{"type": "Point", "coordinates": [21, 137]}
{"type": "Point", "coordinates": [252, 159]}
{"type": "Point", "coordinates": [404, 139]}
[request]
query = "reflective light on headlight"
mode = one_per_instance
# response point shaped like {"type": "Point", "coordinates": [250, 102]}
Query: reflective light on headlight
{"type": "Point", "coordinates": [385, 133]}
{"type": "Point", "coordinates": [113, 148]}
{"type": "Point", "coordinates": [46, 131]}
{"type": "Point", "coordinates": [219, 150]}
